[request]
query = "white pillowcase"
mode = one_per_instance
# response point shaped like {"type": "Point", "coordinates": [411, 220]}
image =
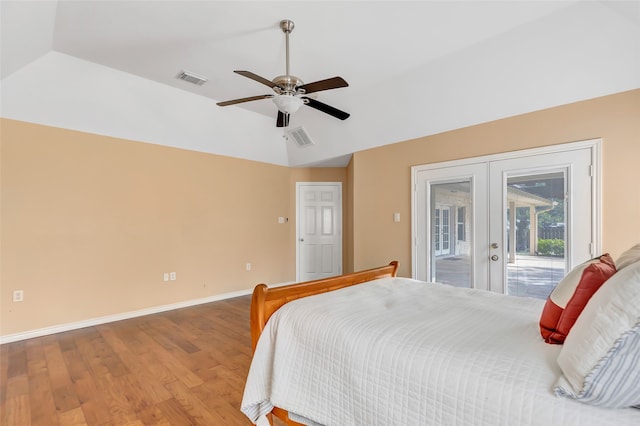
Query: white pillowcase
{"type": "Point", "coordinates": [628, 257]}
{"type": "Point", "coordinates": [600, 359]}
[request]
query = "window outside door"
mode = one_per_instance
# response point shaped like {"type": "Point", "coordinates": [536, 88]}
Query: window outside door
{"type": "Point", "coordinates": [441, 231]}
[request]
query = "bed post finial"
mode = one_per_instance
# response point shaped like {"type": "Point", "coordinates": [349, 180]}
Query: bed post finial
{"type": "Point", "coordinates": [257, 313]}
{"type": "Point", "coordinates": [395, 265]}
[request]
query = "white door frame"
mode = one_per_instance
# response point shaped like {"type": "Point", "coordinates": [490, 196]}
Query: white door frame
{"type": "Point", "coordinates": [595, 145]}
{"type": "Point", "coordinates": [338, 224]}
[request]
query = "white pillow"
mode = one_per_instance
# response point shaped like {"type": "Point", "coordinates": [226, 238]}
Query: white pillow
{"type": "Point", "coordinates": [628, 257]}
{"type": "Point", "coordinates": [600, 359]}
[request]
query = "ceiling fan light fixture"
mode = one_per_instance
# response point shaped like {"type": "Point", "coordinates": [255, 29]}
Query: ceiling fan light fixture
{"type": "Point", "coordinates": [287, 104]}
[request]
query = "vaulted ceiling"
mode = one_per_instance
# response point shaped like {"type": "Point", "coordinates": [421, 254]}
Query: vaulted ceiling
{"type": "Point", "coordinates": [414, 68]}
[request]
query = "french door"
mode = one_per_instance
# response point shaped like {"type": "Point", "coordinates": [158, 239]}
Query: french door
{"type": "Point", "coordinates": [461, 187]}
{"type": "Point", "coordinates": [515, 223]}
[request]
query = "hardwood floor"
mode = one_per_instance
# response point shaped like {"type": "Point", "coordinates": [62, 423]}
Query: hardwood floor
{"type": "Point", "coordinates": [182, 367]}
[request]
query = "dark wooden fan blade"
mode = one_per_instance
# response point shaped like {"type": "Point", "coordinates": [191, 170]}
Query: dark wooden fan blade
{"type": "Point", "coordinates": [329, 83]}
{"type": "Point", "coordinates": [283, 119]}
{"type": "Point", "coordinates": [327, 109]}
{"type": "Point", "coordinates": [257, 78]}
{"type": "Point", "coordinates": [241, 100]}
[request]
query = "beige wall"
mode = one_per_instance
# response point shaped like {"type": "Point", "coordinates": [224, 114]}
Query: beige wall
{"type": "Point", "coordinates": [381, 176]}
{"type": "Point", "coordinates": [90, 223]}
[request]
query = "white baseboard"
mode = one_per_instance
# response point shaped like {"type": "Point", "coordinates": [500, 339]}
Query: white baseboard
{"type": "Point", "coordinates": [125, 315]}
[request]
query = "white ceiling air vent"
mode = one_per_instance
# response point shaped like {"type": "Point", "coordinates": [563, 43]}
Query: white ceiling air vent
{"type": "Point", "coordinates": [192, 77]}
{"type": "Point", "coordinates": [300, 136]}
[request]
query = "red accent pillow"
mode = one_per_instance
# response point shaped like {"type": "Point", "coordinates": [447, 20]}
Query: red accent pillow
{"type": "Point", "coordinates": [566, 301]}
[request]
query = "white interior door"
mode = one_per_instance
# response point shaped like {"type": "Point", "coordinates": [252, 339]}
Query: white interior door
{"type": "Point", "coordinates": [319, 232]}
{"type": "Point", "coordinates": [502, 205]}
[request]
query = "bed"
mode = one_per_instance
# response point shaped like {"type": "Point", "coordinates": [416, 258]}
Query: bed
{"type": "Point", "coordinates": [371, 348]}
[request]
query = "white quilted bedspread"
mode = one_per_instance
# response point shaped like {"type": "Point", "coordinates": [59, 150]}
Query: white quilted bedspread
{"type": "Point", "coordinates": [401, 352]}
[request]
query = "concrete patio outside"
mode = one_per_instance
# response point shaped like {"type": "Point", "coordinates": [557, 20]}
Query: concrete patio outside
{"type": "Point", "coordinates": [531, 276]}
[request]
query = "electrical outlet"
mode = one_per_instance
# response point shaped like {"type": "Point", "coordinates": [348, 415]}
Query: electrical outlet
{"type": "Point", "coordinates": [165, 276]}
{"type": "Point", "coordinates": [18, 295]}
{"type": "Point", "coordinates": [172, 276]}
{"type": "Point", "coordinates": [248, 266]}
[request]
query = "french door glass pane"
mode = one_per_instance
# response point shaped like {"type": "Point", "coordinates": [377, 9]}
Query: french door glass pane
{"type": "Point", "coordinates": [451, 245]}
{"type": "Point", "coordinates": [536, 237]}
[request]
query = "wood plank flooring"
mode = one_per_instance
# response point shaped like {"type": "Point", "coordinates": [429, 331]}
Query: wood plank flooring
{"type": "Point", "coordinates": [182, 367]}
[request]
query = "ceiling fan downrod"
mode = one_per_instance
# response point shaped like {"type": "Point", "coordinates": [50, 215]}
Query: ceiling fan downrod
{"type": "Point", "coordinates": [287, 84]}
{"type": "Point", "coordinates": [287, 26]}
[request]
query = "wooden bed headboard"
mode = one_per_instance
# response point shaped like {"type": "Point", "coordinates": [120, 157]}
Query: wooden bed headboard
{"type": "Point", "coordinates": [265, 301]}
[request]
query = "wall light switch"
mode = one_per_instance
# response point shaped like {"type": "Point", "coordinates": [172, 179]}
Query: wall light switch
{"type": "Point", "coordinates": [281, 220]}
{"type": "Point", "coordinates": [18, 295]}
{"type": "Point", "coordinates": [396, 217]}
{"type": "Point", "coordinates": [172, 276]}
{"type": "Point", "coordinates": [165, 276]}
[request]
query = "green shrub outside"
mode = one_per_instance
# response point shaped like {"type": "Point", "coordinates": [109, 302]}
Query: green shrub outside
{"type": "Point", "coordinates": [551, 247]}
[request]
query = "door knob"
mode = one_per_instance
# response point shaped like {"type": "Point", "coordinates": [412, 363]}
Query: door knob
{"type": "Point", "coordinates": [301, 239]}
{"type": "Point", "coordinates": [494, 257]}
{"type": "Point", "coordinates": [494, 245]}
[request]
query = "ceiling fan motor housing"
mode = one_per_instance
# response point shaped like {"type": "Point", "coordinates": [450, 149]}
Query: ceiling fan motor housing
{"type": "Point", "coordinates": [287, 84]}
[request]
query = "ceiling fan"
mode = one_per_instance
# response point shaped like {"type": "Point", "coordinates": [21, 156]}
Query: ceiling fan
{"type": "Point", "coordinates": [290, 90]}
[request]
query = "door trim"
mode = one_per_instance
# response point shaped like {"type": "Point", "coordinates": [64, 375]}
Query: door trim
{"type": "Point", "coordinates": [339, 224]}
{"type": "Point", "coordinates": [595, 145]}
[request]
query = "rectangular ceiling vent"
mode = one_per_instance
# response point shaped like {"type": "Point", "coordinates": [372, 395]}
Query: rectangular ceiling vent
{"type": "Point", "coordinates": [192, 77]}
{"type": "Point", "coordinates": [301, 137]}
